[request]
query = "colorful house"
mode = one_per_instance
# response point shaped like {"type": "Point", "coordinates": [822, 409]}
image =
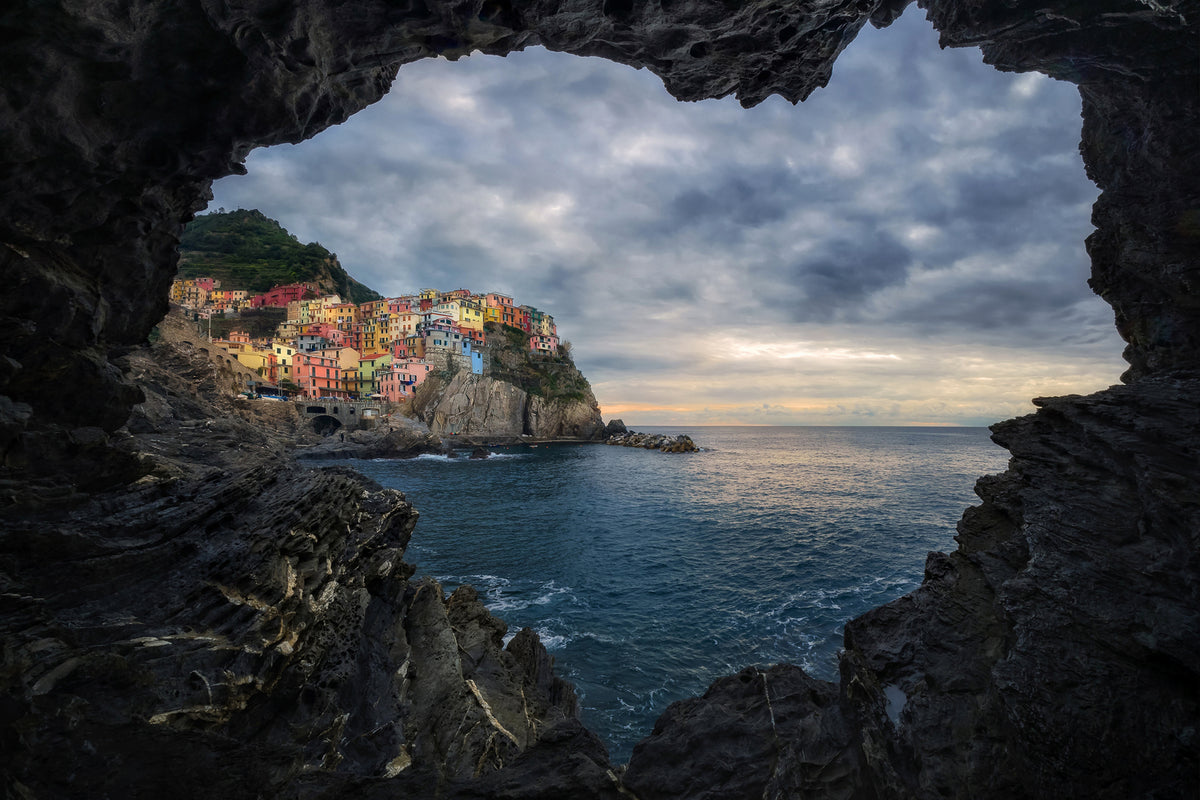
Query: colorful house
{"type": "Point", "coordinates": [522, 314]}
{"type": "Point", "coordinates": [540, 343]}
{"type": "Point", "coordinates": [542, 323]}
{"type": "Point", "coordinates": [442, 337]}
{"type": "Point", "coordinates": [499, 308]}
{"type": "Point", "coordinates": [470, 314]}
{"type": "Point", "coordinates": [261, 361]}
{"type": "Point", "coordinates": [368, 366]}
{"type": "Point", "coordinates": [401, 379]}
{"type": "Point", "coordinates": [317, 375]}
{"type": "Point", "coordinates": [284, 351]}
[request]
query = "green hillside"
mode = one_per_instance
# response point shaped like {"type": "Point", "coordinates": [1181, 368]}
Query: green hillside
{"type": "Point", "coordinates": [249, 250]}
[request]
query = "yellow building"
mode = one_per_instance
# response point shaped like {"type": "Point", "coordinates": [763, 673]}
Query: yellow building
{"type": "Point", "coordinates": [372, 308]}
{"type": "Point", "coordinates": [350, 381]}
{"type": "Point", "coordinates": [368, 336]}
{"type": "Point", "coordinates": [261, 361]}
{"type": "Point", "coordinates": [346, 357]}
{"type": "Point", "coordinates": [471, 314]}
{"type": "Point", "coordinates": [283, 351]}
{"type": "Point", "coordinates": [344, 316]}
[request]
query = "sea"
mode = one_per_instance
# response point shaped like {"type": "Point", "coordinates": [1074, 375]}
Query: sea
{"type": "Point", "coordinates": [648, 575]}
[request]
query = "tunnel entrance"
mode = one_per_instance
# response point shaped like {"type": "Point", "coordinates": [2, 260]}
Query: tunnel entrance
{"type": "Point", "coordinates": [325, 424]}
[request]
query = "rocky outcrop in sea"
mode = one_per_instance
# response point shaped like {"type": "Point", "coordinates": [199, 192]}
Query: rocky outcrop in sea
{"type": "Point", "coordinates": [186, 612]}
{"type": "Point", "coordinates": [680, 443]}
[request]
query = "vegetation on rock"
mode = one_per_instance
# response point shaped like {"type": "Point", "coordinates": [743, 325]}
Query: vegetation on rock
{"type": "Point", "coordinates": [551, 377]}
{"type": "Point", "coordinates": [245, 249]}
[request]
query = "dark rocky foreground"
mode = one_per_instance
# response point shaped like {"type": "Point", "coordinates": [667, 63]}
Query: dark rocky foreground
{"type": "Point", "coordinates": [185, 612]}
{"type": "Point", "coordinates": [231, 624]}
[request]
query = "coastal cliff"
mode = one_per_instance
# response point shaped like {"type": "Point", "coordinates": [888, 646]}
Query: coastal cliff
{"type": "Point", "coordinates": [523, 394]}
{"type": "Point", "coordinates": [479, 407]}
{"type": "Point", "coordinates": [185, 612]}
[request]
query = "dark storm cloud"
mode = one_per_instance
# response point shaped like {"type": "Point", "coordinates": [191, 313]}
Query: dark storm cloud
{"type": "Point", "coordinates": [752, 199]}
{"type": "Point", "coordinates": [990, 304]}
{"type": "Point", "coordinates": [842, 273]}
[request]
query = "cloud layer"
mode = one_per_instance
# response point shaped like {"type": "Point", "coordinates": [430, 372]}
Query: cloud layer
{"type": "Point", "coordinates": [905, 247]}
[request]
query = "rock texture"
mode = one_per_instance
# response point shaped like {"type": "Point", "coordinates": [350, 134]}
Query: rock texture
{"type": "Point", "coordinates": [477, 407]}
{"type": "Point", "coordinates": [391, 438]}
{"type": "Point", "coordinates": [154, 578]}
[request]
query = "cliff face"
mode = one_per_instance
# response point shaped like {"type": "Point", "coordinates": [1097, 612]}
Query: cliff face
{"type": "Point", "coordinates": [149, 605]}
{"type": "Point", "coordinates": [540, 395]}
{"type": "Point", "coordinates": [481, 407]}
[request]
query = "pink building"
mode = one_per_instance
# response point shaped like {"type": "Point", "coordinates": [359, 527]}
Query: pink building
{"type": "Point", "coordinates": [543, 344]}
{"type": "Point", "coordinates": [317, 375]}
{"type": "Point", "coordinates": [401, 379]}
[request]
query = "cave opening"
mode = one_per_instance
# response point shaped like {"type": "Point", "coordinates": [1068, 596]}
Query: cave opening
{"type": "Point", "coordinates": [903, 249]}
{"type": "Point", "coordinates": [1061, 632]}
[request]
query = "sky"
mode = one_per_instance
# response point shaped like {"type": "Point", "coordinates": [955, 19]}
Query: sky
{"type": "Point", "coordinates": [903, 248]}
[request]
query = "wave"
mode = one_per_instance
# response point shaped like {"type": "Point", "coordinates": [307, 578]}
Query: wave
{"type": "Point", "coordinates": [525, 597]}
{"type": "Point", "coordinates": [463, 456]}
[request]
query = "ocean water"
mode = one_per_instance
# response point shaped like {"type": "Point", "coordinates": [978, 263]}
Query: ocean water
{"type": "Point", "coordinates": [648, 575]}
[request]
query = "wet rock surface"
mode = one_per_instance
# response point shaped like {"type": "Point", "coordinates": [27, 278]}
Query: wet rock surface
{"type": "Point", "coordinates": [186, 612]}
{"type": "Point", "coordinates": [389, 439]}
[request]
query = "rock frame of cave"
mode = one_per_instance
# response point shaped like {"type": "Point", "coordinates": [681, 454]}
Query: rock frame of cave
{"type": "Point", "coordinates": [1056, 652]}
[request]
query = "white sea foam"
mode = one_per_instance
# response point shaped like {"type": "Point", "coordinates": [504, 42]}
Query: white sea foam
{"type": "Point", "coordinates": [552, 641]}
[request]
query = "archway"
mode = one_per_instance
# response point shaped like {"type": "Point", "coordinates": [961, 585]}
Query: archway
{"type": "Point", "coordinates": [325, 425]}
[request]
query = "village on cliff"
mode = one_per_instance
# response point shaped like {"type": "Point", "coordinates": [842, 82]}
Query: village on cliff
{"type": "Point", "coordinates": [382, 349]}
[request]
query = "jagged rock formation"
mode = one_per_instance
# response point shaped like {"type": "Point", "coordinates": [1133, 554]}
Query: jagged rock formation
{"type": "Point", "coordinates": [1054, 653]}
{"type": "Point", "coordinates": [384, 441]}
{"type": "Point", "coordinates": [614, 427]}
{"type": "Point", "coordinates": [478, 407]}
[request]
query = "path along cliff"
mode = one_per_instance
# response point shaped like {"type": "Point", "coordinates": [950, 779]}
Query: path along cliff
{"type": "Point", "coordinates": [193, 615]}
